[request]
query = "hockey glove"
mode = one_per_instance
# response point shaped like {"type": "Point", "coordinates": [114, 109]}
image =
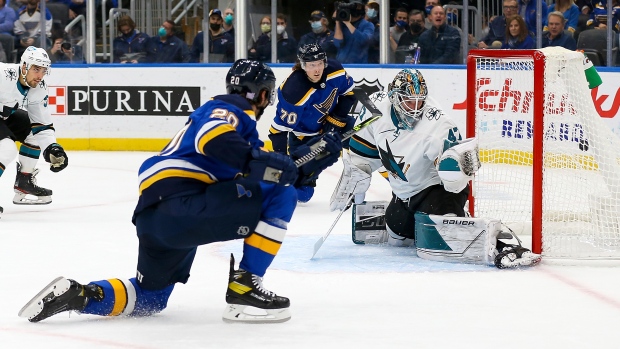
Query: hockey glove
{"type": "Point", "coordinates": [338, 124]}
{"type": "Point", "coordinates": [457, 165]}
{"type": "Point", "coordinates": [310, 171]}
{"type": "Point", "coordinates": [271, 167]}
{"type": "Point", "coordinates": [56, 156]}
{"type": "Point", "coordinates": [8, 111]}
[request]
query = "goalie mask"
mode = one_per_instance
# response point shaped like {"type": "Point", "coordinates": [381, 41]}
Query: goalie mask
{"type": "Point", "coordinates": [407, 93]}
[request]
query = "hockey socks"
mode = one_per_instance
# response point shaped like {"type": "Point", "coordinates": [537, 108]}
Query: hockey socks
{"type": "Point", "coordinates": [126, 297]}
{"type": "Point", "coordinates": [260, 248]}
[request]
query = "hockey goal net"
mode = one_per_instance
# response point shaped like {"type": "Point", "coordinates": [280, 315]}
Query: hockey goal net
{"type": "Point", "coordinates": [550, 165]}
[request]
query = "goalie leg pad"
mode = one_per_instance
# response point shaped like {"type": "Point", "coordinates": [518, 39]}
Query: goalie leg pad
{"type": "Point", "coordinates": [355, 180]}
{"type": "Point", "coordinates": [369, 223]}
{"type": "Point", "coordinates": [456, 239]}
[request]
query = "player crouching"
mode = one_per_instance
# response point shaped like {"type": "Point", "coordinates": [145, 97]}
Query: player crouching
{"type": "Point", "coordinates": [429, 167]}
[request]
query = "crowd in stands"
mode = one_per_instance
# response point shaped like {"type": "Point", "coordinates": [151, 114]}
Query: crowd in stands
{"type": "Point", "coordinates": [429, 36]}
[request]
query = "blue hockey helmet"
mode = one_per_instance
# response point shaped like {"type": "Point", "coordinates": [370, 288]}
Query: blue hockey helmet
{"type": "Point", "coordinates": [407, 93]}
{"type": "Point", "coordinates": [311, 53]}
{"type": "Point", "coordinates": [248, 78]}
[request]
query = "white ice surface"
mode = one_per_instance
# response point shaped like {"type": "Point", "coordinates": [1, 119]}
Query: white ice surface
{"type": "Point", "coordinates": [349, 296]}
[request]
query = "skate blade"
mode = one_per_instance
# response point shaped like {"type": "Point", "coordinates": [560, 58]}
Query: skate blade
{"type": "Point", "coordinates": [59, 286]}
{"type": "Point", "coordinates": [25, 199]}
{"type": "Point", "coordinates": [249, 314]}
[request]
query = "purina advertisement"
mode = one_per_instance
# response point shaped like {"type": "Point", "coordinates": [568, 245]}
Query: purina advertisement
{"type": "Point", "coordinates": [142, 107]}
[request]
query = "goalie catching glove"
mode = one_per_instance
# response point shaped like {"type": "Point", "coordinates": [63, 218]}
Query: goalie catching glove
{"type": "Point", "coordinates": [56, 156]}
{"type": "Point", "coordinates": [457, 165]}
{"type": "Point", "coordinates": [355, 180]}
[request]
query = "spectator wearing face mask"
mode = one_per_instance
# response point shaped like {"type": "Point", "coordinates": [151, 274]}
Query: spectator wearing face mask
{"type": "Point", "coordinates": [372, 17]}
{"type": "Point", "coordinates": [166, 47]}
{"type": "Point", "coordinates": [408, 42]}
{"type": "Point", "coordinates": [229, 18]}
{"type": "Point", "coordinates": [400, 27]}
{"type": "Point", "coordinates": [286, 47]}
{"type": "Point", "coordinates": [429, 6]}
{"type": "Point", "coordinates": [221, 43]}
{"type": "Point", "coordinates": [320, 34]}
{"type": "Point", "coordinates": [130, 45]}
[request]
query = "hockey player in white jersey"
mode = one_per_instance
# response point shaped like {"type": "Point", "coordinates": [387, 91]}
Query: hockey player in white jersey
{"type": "Point", "coordinates": [25, 117]}
{"type": "Point", "coordinates": [429, 166]}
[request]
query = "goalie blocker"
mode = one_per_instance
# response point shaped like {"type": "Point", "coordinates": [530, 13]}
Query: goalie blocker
{"type": "Point", "coordinates": [447, 238]}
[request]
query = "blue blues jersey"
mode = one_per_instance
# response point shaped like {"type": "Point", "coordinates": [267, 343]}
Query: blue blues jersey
{"type": "Point", "coordinates": [303, 105]}
{"type": "Point", "coordinates": [214, 145]}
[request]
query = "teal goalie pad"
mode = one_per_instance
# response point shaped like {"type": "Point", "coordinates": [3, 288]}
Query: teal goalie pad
{"type": "Point", "coordinates": [456, 239]}
{"type": "Point", "coordinates": [369, 222]}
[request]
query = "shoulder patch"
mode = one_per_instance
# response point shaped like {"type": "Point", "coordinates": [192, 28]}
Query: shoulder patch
{"type": "Point", "coordinates": [10, 74]}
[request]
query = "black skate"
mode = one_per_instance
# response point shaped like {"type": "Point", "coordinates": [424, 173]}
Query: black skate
{"type": "Point", "coordinates": [60, 295]}
{"type": "Point", "coordinates": [26, 187]}
{"type": "Point", "coordinates": [514, 256]}
{"type": "Point", "coordinates": [248, 301]}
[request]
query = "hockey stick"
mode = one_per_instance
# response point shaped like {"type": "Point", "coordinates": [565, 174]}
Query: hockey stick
{"type": "Point", "coordinates": [319, 243]}
{"type": "Point", "coordinates": [375, 115]}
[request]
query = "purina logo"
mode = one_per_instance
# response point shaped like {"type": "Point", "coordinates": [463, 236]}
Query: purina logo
{"type": "Point", "coordinates": [127, 100]}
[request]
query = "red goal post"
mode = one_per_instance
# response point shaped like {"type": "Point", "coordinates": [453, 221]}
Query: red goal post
{"type": "Point", "coordinates": [549, 163]}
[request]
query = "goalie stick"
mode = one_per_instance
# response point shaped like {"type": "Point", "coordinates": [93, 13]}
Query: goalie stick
{"type": "Point", "coordinates": [375, 115]}
{"type": "Point", "coordinates": [319, 242]}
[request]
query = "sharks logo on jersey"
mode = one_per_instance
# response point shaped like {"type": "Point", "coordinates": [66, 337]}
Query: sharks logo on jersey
{"type": "Point", "coordinates": [396, 167]}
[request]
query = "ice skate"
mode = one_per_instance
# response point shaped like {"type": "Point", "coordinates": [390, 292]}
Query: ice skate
{"type": "Point", "coordinates": [515, 256]}
{"type": "Point", "coordinates": [248, 301]}
{"type": "Point", "coordinates": [60, 295]}
{"type": "Point", "coordinates": [26, 190]}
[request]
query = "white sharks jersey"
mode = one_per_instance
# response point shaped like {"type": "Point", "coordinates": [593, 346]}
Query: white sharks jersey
{"type": "Point", "coordinates": [34, 100]}
{"type": "Point", "coordinates": [408, 156]}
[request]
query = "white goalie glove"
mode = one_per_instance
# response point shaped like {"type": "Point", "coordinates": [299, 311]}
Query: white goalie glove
{"type": "Point", "coordinates": [355, 180]}
{"type": "Point", "coordinates": [457, 165]}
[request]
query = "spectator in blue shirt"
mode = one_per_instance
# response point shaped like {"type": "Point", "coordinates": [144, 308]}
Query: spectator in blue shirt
{"type": "Point", "coordinates": [7, 21]}
{"type": "Point", "coordinates": [166, 47]}
{"type": "Point", "coordinates": [569, 10]}
{"type": "Point", "coordinates": [221, 42]}
{"type": "Point", "coordinates": [556, 36]}
{"type": "Point", "coordinates": [517, 35]}
{"type": "Point", "coordinates": [352, 36]}
{"type": "Point", "coordinates": [497, 27]}
{"type": "Point", "coordinates": [130, 45]}
{"type": "Point", "coordinates": [442, 43]}
{"type": "Point", "coordinates": [527, 10]}
{"type": "Point", "coordinates": [598, 17]}
{"type": "Point", "coordinates": [320, 34]}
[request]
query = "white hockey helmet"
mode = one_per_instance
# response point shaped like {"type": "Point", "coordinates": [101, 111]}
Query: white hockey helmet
{"type": "Point", "coordinates": [34, 56]}
{"type": "Point", "coordinates": [408, 93]}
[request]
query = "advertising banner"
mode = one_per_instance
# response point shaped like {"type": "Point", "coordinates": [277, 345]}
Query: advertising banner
{"type": "Point", "coordinates": [142, 107]}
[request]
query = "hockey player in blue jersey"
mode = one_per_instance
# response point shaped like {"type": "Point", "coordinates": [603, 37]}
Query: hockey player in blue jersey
{"type": "Point", "coordinates": [212, 182]}
{"type": "Point", "coordinates": [316, 98]}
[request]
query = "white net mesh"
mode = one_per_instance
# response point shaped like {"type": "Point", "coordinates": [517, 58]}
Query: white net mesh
{"type": "Point", "coordinates": [581, 173]}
